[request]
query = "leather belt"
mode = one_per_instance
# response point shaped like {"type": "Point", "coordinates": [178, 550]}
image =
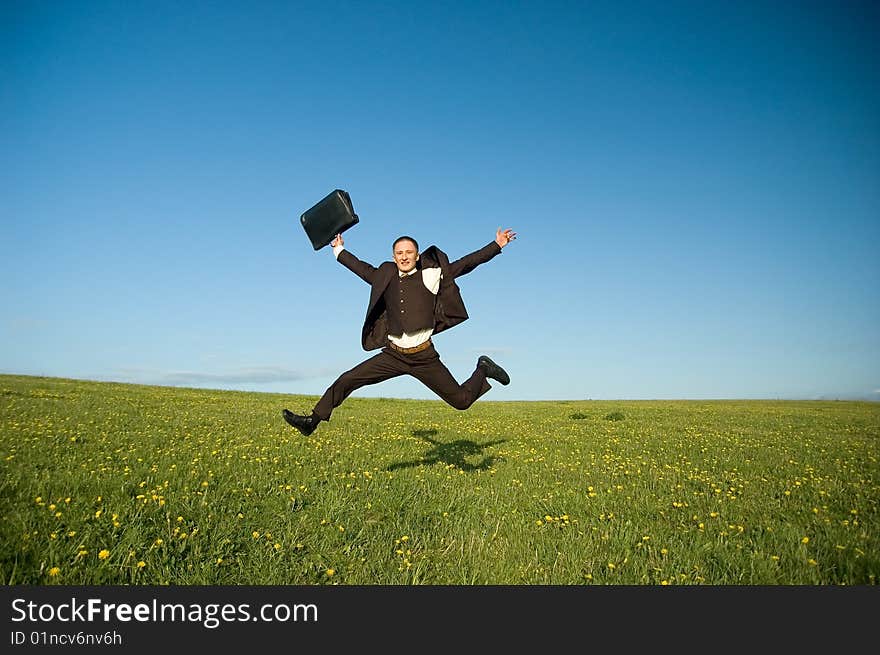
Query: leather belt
{"type": "Point", "coordinates": [409, 351]}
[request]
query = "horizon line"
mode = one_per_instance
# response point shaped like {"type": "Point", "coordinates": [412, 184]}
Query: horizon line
{"type": "Point", "coordinates": [820, 398]}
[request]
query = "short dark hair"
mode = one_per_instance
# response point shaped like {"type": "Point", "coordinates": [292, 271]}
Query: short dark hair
{"type": "Point", "coordinates": [404, 238]}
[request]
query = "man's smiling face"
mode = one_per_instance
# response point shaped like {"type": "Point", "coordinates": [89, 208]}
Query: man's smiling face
{"type": "Point", "coordinates": [405, 255]}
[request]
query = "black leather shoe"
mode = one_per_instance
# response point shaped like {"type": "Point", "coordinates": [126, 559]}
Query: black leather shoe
{"type": "Point", "coordinates": [305, 424]}
{"type": "Point", "coordinates": [493, 370]}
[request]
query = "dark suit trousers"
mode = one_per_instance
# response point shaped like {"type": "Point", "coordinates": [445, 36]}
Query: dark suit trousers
{"type": "Point", "coordinates": [425, 366]}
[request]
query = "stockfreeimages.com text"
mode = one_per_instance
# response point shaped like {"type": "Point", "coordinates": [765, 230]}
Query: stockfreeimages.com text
{"type": "Point", "coordinates": [210, 615]}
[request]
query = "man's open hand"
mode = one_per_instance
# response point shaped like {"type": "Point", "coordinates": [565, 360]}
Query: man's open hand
{"type": "Point", "coordinates": [503, 237]}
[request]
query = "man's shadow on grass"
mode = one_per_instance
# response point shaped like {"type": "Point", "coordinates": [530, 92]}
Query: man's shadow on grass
{"type": "Point", "coordinates": [453, 453]}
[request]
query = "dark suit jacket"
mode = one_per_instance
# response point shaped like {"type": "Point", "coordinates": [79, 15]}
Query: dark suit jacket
{"type": "Point", "coordinates": [449, 308]}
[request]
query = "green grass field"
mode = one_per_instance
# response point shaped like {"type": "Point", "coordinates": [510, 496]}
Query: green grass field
{"type": "Point", "coordinates": [107, 483]}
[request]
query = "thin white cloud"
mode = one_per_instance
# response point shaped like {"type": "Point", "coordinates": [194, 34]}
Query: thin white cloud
{"type": "Point", "coordinates": [238, 376]}
{"type": "Point", "coordinates": [26, 324]}
{"type": "Point", "coordinates": [253, 375]}
{"type": "Point", "coordinates": [492, 351]}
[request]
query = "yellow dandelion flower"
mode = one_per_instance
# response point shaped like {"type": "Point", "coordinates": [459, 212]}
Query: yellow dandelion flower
{"type": "Point", "coordinates": [663, 551]}
{"type": "Point", "coordinates": [805, 540]}
{"type": "Point", "coordinates": [159, 541]}
{"type": "Point", "coordinates": [277, 546]}
{"type": "Point", "coordinates": [54, 571]}
{"type": "Point", "coordinates": [104, 554]}
{"type": "Point", "coordinates": [330, 572]}
{"type": "Point", "coordinates": [255, 534]}
{"type": "Point", "coordinates": [812, 562]}
{"type": "Point", "coordinates": [141, 564]}
{"type": "Point", "coordinates": [611, 566]}
{"type": "Point", "coordinates": [664, 582]}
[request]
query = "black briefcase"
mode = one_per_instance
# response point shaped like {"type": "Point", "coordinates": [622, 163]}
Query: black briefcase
{"type": "Point", "coordinates": [333, 215]}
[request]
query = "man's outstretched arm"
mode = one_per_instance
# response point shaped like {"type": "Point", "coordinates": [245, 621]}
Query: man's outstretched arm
{"type": "Point", "coordinates": [469, 262]}
{"type": "Point", "coordinates": [360, 268]}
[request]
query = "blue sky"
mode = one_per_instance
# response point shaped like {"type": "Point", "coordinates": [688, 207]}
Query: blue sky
{"type": "Point", "coordinates": [695, 185]}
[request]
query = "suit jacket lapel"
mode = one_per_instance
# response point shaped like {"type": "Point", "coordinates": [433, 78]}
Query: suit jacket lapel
{"type": "Point", "coordinates": [375, 330]}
